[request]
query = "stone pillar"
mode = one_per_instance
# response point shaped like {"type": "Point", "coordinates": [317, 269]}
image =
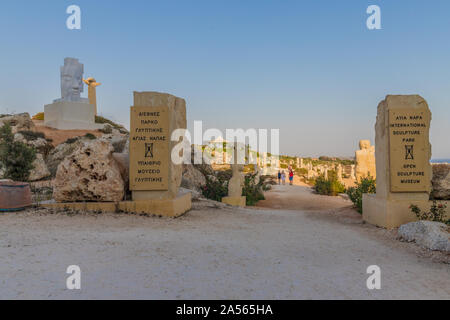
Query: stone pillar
{"type": "Point", "coordinates": [339, 172]}
{"type": "Point", "coordinates": [353, 172]}
{"type": "Point", "coordinates": [235, 184]}
{"type": "Point", "coordinates": [153, 173]}
{"type": "Point", "coordinates": [403, 153]}
{"type": "Point", "coordinates": [365, 160]}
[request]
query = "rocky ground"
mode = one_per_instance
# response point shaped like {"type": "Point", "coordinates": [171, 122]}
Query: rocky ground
{"type": "Point", "coordinates": [296, 245]}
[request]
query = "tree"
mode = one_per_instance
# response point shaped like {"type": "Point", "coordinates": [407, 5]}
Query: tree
{"type": "Point", "coordinates": [16, 158]}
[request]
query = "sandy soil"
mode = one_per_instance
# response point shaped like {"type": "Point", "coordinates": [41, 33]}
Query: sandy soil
{"type": "Point", "coordinates": [60, 136]}
{"type": "Point", "coordinates": [321, 250]}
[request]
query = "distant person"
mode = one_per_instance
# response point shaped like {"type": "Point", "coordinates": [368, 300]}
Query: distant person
{"type": "Point", "coordinates": [283, 177]}
{"type": "Point", "coordinates": [291, 177]}
{"type": "Point", "coordinates": [279, 177]}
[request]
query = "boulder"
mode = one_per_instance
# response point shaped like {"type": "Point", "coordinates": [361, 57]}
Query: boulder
{"type": "Point", "coordinates": [57, 155]}
{"type": "Point", "coordinates": [123, 162]}
{"type": "Point", "coordinates": [428, 234]}
{"type": "Point", "coordinates": [118, 141]}
{"type": "Point", "coordinates": [41, 145]}
{"type": "Point", "coordinates": [40, 170]}
{"type": "Point", "coordinates": [441, 182]}
{"type": "Point", "coordinates": [18, 122]}
{"type": "Point", "coordinates": [192, 178]}
{"type": "Point", "coordinates": [90, 173]}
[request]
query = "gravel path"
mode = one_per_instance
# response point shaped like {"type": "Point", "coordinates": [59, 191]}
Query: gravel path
{"type": "Point", "coordinates": [313, 247]}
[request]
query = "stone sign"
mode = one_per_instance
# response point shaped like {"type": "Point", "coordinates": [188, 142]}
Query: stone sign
{"type": "Point", "coordinates": [403, 153]}
{"type": "Point", "coordinates": [149, 149]}
{"type": "Point", "coordinates": [409, 150]}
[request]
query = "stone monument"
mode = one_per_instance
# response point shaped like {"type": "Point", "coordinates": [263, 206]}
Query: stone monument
{"type": "Point", "coordinates": [365, 160]}
{"type": "Point", "coordinates": [154, 178]}
{"type": "Point", "coordinates": [403, 153]}
{"type": "Point", "coordinates": [235, 184]}
{"type": "Point", "coordinates": [71, 111]}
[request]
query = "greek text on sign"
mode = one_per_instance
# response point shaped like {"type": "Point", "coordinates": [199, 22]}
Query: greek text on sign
{"type": "Point", "coordinates": [149, 149]}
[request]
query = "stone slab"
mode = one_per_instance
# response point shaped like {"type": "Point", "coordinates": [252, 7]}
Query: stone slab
{"type": "Point", "coordinates": [235, 201]}
{"type": "Point", "coordinates": [170, 208]}
{"type": "Point", "coordinates": [392, 213]}
{"type": "Point", "coordinates": [149, 149]}
{"type": "Point", "coordinates": [176, 110]}
{"type": "Point", "coordinates": [409, 149]}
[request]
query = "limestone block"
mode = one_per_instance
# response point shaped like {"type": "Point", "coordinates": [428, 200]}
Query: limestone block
{"type": "Point", "coordinates": [171, 172]}
{"type": "Point", "coordinates": [90, 173]}
{"type": "Point", "coordinates": [235, 201]}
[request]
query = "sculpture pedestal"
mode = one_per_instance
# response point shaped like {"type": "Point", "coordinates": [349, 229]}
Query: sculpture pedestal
{"type": "Point", "coordinates": [67, 115]}
{"type": "Point", "coordinates": [235, 201]}
{"type": "Point", "coordinates": [393, 212]}
{"type": "Point", "coordinates": [170, 208]}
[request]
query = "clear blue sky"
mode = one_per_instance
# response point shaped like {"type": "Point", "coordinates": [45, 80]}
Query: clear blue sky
{"type": "Point", "coordinates": [310, 68]}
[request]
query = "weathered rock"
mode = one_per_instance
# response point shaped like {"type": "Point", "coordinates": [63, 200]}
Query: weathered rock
{"type": "Point", "coordinates": [57, 155]}
{"type": "Point", "coordinates": [18, 122]}
{"type": "Point", "coordinates": [41, 145]}
{"type": "Point", "coordinates": [195, 194]}
{"type": "Point", "coordinates": [123, 161]}
{"type": "Point", "coordinates": [118, 141]}
{"type": "Point", "coordinates": [40, 170]}
{"type": "Point", "coordinates": [429, 234]}
{"type": "Point", "coordinates": [192, 178]}
{"type": "Point", "coordinates": [441, 182]}
{"type": "Point", "coordinates": [90, 173]}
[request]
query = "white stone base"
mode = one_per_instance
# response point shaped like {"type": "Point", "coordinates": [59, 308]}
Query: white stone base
{"type": "Point", "coordinates": [66, 115]}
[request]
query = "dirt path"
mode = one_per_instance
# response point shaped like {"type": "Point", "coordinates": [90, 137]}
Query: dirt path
{"type": "Point", "coordinates": [319, 252]}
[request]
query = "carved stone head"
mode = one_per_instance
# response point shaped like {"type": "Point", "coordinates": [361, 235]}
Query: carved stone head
{"type": "Point", "coordinates": [71, 80]}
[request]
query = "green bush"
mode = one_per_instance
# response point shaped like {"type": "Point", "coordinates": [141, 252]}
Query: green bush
{"type": "Point", "coordinates": [330, 186]}
{"type": "Point", "coordinates": [252, 190]}
{"type": "Point", "coordinates": [366, 185]}
{"type": "Point", "coordinates": [436, 213]}
{"type": "Point", "coordinates": [32, 135]}
{"type": "Point", "coordinates": [90, 136]}
{"type": "Point", "coordinates": [16, 158]}
{"type": "Point", "coordinates": [301, 171]}
{"type": "Point", "coordinates": [71, 140]}
{"type": "Point", "coordinates": [214, 189]}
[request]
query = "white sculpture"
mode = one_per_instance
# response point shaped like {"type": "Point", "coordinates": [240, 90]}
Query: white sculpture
{"type": "Point", "coordinates": [72, 81]}
{"type": "Point", "coordinates": [71, 111]}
